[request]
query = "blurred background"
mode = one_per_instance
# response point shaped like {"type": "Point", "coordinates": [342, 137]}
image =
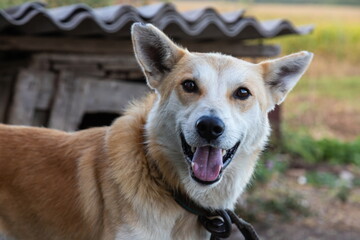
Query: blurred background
{"type": "Point", "coordinates": [307, 184]}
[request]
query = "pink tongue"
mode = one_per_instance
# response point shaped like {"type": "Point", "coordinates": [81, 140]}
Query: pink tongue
{"type": "Point", "coordinates": [207, 163]}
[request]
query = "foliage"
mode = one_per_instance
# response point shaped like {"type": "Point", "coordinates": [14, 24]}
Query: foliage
{"type": "Point", "coordinates": [322, 179]}
{"type": "Point", "coordinates": [278, 203]}
{"type": "Point", "coordinates": [285, 204]}
{"type": "Point", "coordinates": [268, 165]}
{"type": "Point", "coordinates": [356, 182]}
{"type": "Point", "coordinates": [325, 150]}
{"type": "Point", "coordinates": [343, 194]}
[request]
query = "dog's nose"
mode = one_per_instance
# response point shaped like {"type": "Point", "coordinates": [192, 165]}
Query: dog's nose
{"type": "Point", "coordinates": [209, 127]}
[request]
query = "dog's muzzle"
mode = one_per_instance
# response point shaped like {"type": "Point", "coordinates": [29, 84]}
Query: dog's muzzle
{"type": "Point", "coordinates": [207, 162]}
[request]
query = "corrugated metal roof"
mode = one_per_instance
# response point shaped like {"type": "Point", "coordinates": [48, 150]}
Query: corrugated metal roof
{"type": "Point", "coordinates": [114, 21]}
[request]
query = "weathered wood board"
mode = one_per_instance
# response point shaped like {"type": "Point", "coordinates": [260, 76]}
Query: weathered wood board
{"type": "Point", "coordinates": [23, 104]}
{"type": "Point", "coordinates": [5, 93]}
{"type": "Point", "coordinates": [76, 96]}
{"type": "Point", "coordinates": [121, 47]}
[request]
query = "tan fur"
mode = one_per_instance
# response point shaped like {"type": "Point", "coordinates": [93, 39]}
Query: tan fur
{"type": "Point", "coordinates": [40, 182]}
{"type": "Point", "coordinates": [116, 182]}
{"type": "Point", "coordinates": [57, 185]}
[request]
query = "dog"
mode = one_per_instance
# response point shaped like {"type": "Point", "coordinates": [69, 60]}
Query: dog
{"type": "Point", "coordinates": [199, 132]}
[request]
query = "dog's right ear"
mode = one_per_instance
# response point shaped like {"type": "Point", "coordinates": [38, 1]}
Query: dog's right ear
{"type": "Point", "coordinates": [154, 51]}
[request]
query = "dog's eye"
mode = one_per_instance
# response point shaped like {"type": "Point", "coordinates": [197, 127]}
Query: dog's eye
{"type": "Point", "coordinates": [242, 93]}
{"type": "Point", "coordinates": [189, 86]}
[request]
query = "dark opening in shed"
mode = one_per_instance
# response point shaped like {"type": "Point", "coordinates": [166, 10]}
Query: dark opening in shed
{"type": "Point", "coordinates": [98, 119]}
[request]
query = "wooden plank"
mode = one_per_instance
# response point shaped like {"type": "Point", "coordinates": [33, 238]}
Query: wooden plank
{"type": "Point", "coordinates": [78, 104]}
{"type": "Point", "coordinates": [87, 64]}
{"type": "Point", "coordinates": [69, 103]}
{"type": "Point", "coordinates": [130, 76]}
{"type": "Point", "coordinates": [26, 101]}
{"type": "Point", "coordinates": [113, 46]}
{"type": "Point", "coordinates": [86, 58]}
{"type": "Point", "coordinates": [235, 49]}
{"type": "Point", "coordinates": [112, 96]}
{"type": "Point", "coordinates": [78, 66]}
{"type": "Point", "coordinates": [76, 96]}
{"type": "Point", "coordinates": [5, 93]}
{"type": "Point", "coordinates": [62, 101]}
{"type": "Point", "coordinates": [25, 96]}
{"type": "Point", "coordinates": [58, 44]}
{"type": "Point", "coordinates": [46, 92]}
{"type": "Point", "coordinates": [104, 95]}
{"type": "Point", "coordinates": [39, 63]}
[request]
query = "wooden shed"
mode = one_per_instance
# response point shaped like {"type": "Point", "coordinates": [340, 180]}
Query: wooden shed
{"type": "Point", "coordinates": [73, 67]}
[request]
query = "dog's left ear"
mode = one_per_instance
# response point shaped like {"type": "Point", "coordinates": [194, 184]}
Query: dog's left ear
{"type": "Point", "coordinates": [282, 74]}
{"type": "Point", "coordinates": [154, 51]}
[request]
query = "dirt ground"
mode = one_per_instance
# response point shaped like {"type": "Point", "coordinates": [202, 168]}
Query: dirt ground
{"type": "Point", "coordinates": [328, 217]}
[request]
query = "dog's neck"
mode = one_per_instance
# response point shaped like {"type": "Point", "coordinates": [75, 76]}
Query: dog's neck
{"type": "Point", "coordinates": [144, 171]}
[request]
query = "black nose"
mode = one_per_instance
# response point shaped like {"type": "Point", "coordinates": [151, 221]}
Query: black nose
{"type": "Point", "coordinates": [209, 127]}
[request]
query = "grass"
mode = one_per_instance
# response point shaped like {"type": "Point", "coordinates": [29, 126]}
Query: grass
{"type": "Point", "coordinates": [277, 203]}
{"type": "Point", "coordinates": [322, 179]}
{"type": "Point", "coordinates": [322, 151]}
{"type": "Point", "coordinates": [336, 34]}
{"type": "Point", "coordinates": [333, 40]}
{"type": "Point", "coordinates": [344, 89]}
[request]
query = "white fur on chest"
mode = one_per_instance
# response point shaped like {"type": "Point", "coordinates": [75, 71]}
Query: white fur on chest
{"type": "Point", "coordinates": [184, 228]}
{"type": "Point", "coordinates": [126, 232]}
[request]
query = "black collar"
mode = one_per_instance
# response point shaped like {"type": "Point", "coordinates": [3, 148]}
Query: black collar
{"type": "Point", "coordinates": [217, 222]}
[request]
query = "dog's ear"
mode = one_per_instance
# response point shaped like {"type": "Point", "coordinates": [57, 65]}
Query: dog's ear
{"type": "Point", "coordinates": [154, 51]}
{"type": "Point", "coordinates": [282, 74]}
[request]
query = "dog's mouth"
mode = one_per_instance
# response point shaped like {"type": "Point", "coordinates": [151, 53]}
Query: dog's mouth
{"type": "Point", "coordinates": [207, 163]}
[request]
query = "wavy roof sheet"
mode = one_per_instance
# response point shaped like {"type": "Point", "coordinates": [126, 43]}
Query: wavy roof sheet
{"type": "Point", "coordinates": [114, 21]}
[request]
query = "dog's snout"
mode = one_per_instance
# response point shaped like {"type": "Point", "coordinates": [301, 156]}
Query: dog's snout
{"type": "Point", "coordinates": [210, 127]}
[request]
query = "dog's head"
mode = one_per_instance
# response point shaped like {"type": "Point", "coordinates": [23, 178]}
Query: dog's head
{"type": "Point", "coordinates": [212, 108]}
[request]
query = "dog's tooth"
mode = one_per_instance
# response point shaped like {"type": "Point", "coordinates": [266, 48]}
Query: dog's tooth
{"type": "Point", "coordinates": [193, 149]}
{"type": "Point", "coordinates": [194, 166]}
{"type": "Point", "coordinates": [223, 152]}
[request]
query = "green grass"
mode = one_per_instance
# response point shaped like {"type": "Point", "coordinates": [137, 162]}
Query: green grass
{"type": "Point", "coordinates": [268, 165]}
{"type": "Point", "coordinates": [322, 179]}
{"type": "Point", "coordinates": [335, 40]}
{"type": "Point", "coordinates": [280, 204]}
{"type": "Point", "coordinates": [322, 151]}
{"type": "Point", "coordinates": [344, 88]}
